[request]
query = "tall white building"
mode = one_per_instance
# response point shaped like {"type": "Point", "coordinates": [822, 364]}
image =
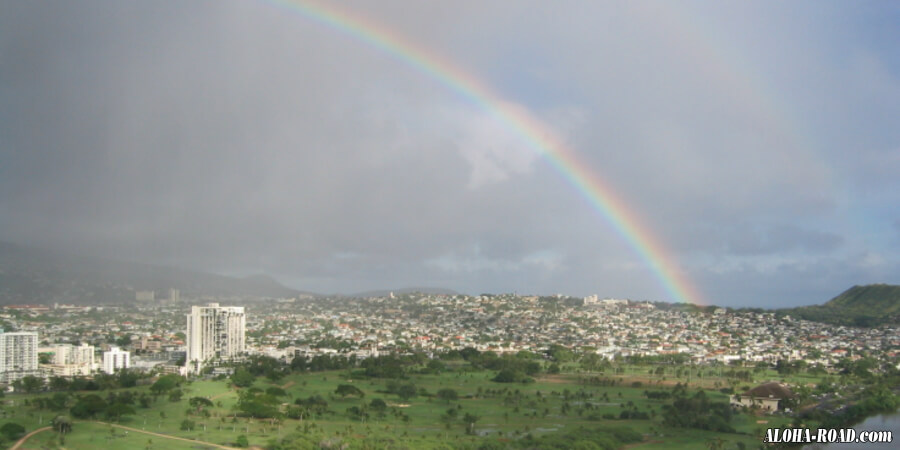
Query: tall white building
{"type": "Point", "coordinates": [18, 355]}
{"type": "Point", "coordinates": [115, 359]}
{"type": "Point", "coordinates": [70, 354]}
{"type": "Point", "coordinates": [214, 331]}
{"type": "Point", "coordinates": [69, 361]}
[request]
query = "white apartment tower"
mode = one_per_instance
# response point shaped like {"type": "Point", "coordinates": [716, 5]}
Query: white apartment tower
{"type": "Point", "coordinates": [214, 331]}
{"type": "Point", "coordinates": [76, 355]}
{"type": "Point", "coordinates": [115, 359]}
{"type": "Point", "coordinates": [70, 360]}
{"type": "Point", "coordinates": [18, 355]}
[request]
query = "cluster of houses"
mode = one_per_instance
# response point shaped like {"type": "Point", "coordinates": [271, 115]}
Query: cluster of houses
{"type": "Point", "coordinates": [609, 327]}
{"type": "Point", "coordinates": [152, 336]}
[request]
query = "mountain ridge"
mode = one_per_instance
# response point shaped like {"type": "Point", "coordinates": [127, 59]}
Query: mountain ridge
{"type": "Point", "coordinates": [402, 291]}
{"type": "Point", "coordinates": [861, 305]}
{"type": "Point", "coordinates": [33, 275]}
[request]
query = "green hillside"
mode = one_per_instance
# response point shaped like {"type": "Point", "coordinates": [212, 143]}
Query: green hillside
{"type": "Point", "coordinates": [866, 306]}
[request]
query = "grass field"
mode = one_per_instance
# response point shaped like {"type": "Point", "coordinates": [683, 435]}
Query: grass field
{"type": "Point", "coordinates": [93, 435]}
{"type": "Point", "coordinates": [504, 411]}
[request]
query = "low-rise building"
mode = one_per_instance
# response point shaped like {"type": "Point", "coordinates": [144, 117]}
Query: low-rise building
{"type": "Point", "coordinates": [766, 396]}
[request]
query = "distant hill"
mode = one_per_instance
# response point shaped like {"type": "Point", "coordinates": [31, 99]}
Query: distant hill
{"type": "Point", "coordinates": [865, 306]}
{"type": "Point", "coordinates": [29, 276]}
{"type": "Point", "coordinates": [412, 290]}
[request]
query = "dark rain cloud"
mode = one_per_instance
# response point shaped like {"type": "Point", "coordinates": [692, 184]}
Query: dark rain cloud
{"type": "Point", "coordinates": [241, 137]}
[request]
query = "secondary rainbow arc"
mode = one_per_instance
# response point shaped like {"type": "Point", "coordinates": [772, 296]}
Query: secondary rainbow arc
{"type": "Point", "coordinates": [531, 131]}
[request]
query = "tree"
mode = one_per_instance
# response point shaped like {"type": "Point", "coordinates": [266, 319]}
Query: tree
{"type": "Point", "coordinates": [12, 431]}
{"type": "Point", "coordinates": [346, 389]}
{"type": "Point", "coordinates": [449, 417]}
{"type": "Point", "coordinates": [358, 413]}
{"type": "Point", "coordinates": [88, 406]}
{"type": "Point", "coordinates": [469, 353]}
{"type": "Point", "coordinates": [275, 391]}
{"type": "Point", "coordinates": [560, 353]}
{"type": "Point", "coordinates": [698, 412]}
{"type": "Point", "coordinates": [176, 395]}
{"type": "Point", "coordinates": [188, 425]}
{"type": "Point", "coordinates": [165, 384]}
{"type": "Point", "coordinates": [59, 384]}
{"type": "Point", "coordinates": [590, 361]}
{"type": "Point", "coordinates": [313, 405]}
{"type": "Point", "coordinates": [436, 366]}
{"type": "Point", "coordinates": [127, 377]}
{"type": "Point", "coordinates": [294, 412]}
{"type": "Point", "coordinates": [116, 410]}
{"type": "Point", "coordinates": [242, 378]}
{"type": "Point", "coordinates": [242, 442]}
{"type": "Point", "coordinates": [62, 424]}
{"type": "Point", "coordinates": [32, 384]}
{"type": "Point", "coordinates": [447, 394]}
{"type": "Point", "coordinates": [58, 401]}
{"type": "Point", "coordinates": [200, 403]}
{"type": "Point", "coordinates": [406, 391]}
{"type": "Point", "coordinates": [470, 419]}
{"type": "Point", "coordinates": [106, 381]}
{"type": "Point", "coordinates": [511, 376]}
{"type": "Point", "coordinates": [253, 403]}
{"type": "Point", "coordinates": [784, 367]}
{"type": "Point", "coordinates": [378, 405]}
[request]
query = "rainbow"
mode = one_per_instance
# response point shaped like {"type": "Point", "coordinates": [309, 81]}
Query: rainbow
{"type": "Point", "coordinates": [532, 132]}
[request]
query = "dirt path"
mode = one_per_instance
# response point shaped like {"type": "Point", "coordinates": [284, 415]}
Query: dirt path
{"type": "Point", "coordinates": [136, 430]}
{"type": "Point", "coordinates": [287, 385]}
{"type": "Point", "coordinates": [27, 436]}
{"type": "Point", "coordinates": [218, 396]}
{"type": "Point", "coordinates": [557, 379]}
{"type": "Point", "coordinates": [638, 444]}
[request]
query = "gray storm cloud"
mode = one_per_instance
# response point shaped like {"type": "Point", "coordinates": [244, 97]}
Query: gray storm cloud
{"type": "Point", "coordinates": [241, 137]}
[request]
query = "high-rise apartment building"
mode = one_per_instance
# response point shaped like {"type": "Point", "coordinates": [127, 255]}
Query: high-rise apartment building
{"type": "Point", "coordinates": [116, 359]}
{"type": "Point", "coordinates": [18, 355]}
{"type": "Point", "coordinates": [71, 354]}
{"type": "Point", "coordinates": [214, 331]}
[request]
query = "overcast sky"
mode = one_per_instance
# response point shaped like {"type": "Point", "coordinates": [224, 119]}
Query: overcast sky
{"type": "Point", "coordinates": [759, 142]}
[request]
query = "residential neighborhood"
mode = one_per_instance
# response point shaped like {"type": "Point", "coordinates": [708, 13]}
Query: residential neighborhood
{"type": "Point", "coordinates": [73, 341]}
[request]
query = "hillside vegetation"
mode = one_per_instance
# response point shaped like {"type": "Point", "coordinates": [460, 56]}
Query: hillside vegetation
{"type": "Point", "coordinates": [865, 306]}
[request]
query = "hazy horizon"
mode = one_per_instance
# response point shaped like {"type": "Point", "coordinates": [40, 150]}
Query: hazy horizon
{"type": "Point", "coordinates": [753, 142]}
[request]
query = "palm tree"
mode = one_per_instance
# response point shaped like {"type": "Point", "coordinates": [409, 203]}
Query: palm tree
{"type": "Point", "coordinates": [715, 444]}
{"type": "Point", "coordinates": [470, 420]}
{"type": "Point", "coordinates": [62, 424]}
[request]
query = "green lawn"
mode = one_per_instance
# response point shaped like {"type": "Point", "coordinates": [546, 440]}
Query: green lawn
{"type": "Point", "coordinates": [92, 435]}
{"type": "Point", "coordinates": [504, 412]}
